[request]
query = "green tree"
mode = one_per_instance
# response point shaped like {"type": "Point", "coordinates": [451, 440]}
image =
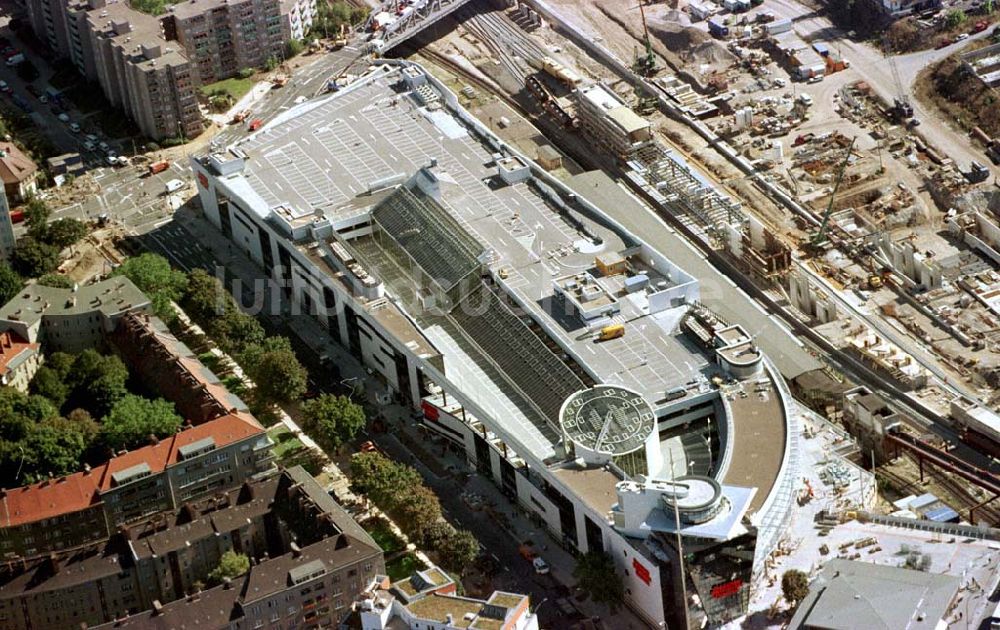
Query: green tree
{"type": "Point", "coordinates": [236, 332]}
{"type": "Point", "coordinates": [154, 276]}
{"type": "Point", "coordinates": [36, 217]}
{"type": "Point", "coordinates": [794, 586]}
{"type": "Point", "coordinates": [295, 46]}
{"type": "Point", "coordinates": [10, 283]}
{"type": "Point", "coordinates": [458, 550]}
{"type": "Point", "coordinates": [204, 297]}
{"type": "Point", "coordinates": [56, 281]}
{"type": "Point", "coordinates": [275, 370]}
{"type": "Point", "coordinates": [595, 574]}
{"type": "Point", "coordinates": [381, 479]}
{"type": "Point", "coordinates": [85, 424]}
{"type": "Point", "coordinates": [33, 258]}
{"type": "Point", "coordinates": [96, 382]}
{"type": "Point", "coordinates": [332, 420]}
{"type": "Point", "coordinates": [49, 383]}
{"type": "Point", "coordinates": [54, 448]}
{"type": "Point", "coordinates": [436, 534]}
{"type": "Point", "coordinates": [231, 565]}
{"type": "Point", "coordinates": [955, 17]}
{"type": "Point", "coordinates": [65, 232]}
{"type": "Point", "coordinates": [133, 419]}
{"type": "Point", "coordinates": [415, 509]}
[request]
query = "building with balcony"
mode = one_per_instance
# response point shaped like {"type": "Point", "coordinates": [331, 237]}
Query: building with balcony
{"type": "Point", "coordinates": [142, 73]}
{"type": "Point", "coordinates": [222, 37]}
{"type": "Point", "coordinates": [309, 561]}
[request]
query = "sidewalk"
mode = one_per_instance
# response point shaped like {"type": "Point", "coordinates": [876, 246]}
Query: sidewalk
{"type": "Point", "coordinates": [447, 477]}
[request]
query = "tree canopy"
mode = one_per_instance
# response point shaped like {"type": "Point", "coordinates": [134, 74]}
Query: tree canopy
{"type": "Point", "coordinates": [33, 258]}
{"type": "Point", "coordinates": [65, 232]}
{"type": "Point", "coordinates": [275, 370]}
{"type": "Point", "coordinates": [10, 283]}
{"type": "Point", "coordinates": [794, 586]}
{"type": "Point", "coordinates": [34, 441]}
{"type": "Point", "coordinates": [56, 281]}
{"type": "Point", "coordinates": [154, 276]}
{"type": "Point", "coordinates": [332, 420]}
{"type": "Point", "coordinates": [94, 381]}
{"type": "Point", "coordinates": [595, 573]}
{"type": "Point", "coordinates": [458, 550]}
{"type": "Point", "coordinates": [133, 419]}
{"type": "Point", "coordinates": [380, 478]}
{"type": "Point", "coordinates": [231, 565]}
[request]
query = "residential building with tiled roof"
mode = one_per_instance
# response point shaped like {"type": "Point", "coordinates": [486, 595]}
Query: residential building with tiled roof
{"type": "Point", "coordinates": [309, 560]}
{"type": "Point", "coordinates": [19, 360]}
{"type": "Point", "coordinates": [18, 172]}
{"type": "Point", "coordinates": [88, 506]}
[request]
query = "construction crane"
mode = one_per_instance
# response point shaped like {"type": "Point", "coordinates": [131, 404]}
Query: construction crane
{"type": "Point", "coordinates": [901, 108]}
{"type": "Point", "coordinates": [645, 64]}
{"type": "Point", "coordinates": [820, 237]}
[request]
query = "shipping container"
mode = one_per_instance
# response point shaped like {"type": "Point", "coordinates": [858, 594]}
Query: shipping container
{"type": "Point", "coordinates": [718, 29]}
{"type": "Point", "coordinates": [779, 26]}
{"type": "Point", "coordinates": [158, 167]}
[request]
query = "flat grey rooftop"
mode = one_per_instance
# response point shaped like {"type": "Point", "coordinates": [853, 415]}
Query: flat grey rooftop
{"type": "Point", "coordinates": [114, 295]}
{"type": "Point", "coordinates": [329, 152]}
{"type": "Point", "coordinates": [717, 292]}
{"type": "Point", "coordinates": [855, 594]}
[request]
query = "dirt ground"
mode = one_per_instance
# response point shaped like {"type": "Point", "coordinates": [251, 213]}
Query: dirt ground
{"type": "Point", "coordinates": [947, 88]}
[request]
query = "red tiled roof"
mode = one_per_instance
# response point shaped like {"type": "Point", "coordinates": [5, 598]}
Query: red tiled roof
{"type": "Point", "coordinates": [15, 166]}
{"type": "Point", "coordinates": [80, 490]}
{"type": "Point", "coordinates": [11, 345]}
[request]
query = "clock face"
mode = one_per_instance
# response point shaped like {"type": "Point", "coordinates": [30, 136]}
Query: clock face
{"type": "Point", "coordinates": [608, 419]}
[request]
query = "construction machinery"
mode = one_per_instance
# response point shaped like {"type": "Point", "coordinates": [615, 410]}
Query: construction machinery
{"type": "Point", "coordinates": [901, 108]}
{"type": "Point", "coordinates": [820, 237]}
{"type": "Point", "coordinates": [645, 64]}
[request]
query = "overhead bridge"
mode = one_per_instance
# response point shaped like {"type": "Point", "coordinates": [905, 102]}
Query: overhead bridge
{"type": "Point", "coordinates": [409, 20]}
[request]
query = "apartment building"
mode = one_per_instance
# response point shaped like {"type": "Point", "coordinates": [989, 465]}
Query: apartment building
{"type": "Point", "coordinates": [221, 37]}
{"type": "Point", "coordinates": [296, 18]}
{"type": "Point", "coordinates": [48, 21]}
{"type": "Point", "coordinates": [71, 320]}
{"type": "Point", "coordinates": [142, 73]}
{"type": "Point", "coordinates": [309, 560]}
{"type": "Point", "coordinates": [163, 364]}
{"type": "Point", "coordinates": [88, 506]}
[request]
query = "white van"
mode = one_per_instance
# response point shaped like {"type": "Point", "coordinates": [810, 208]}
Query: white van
{"type": "Point", "coordinates": [174, 185]}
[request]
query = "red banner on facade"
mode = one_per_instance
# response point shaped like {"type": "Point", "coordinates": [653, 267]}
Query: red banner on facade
{"type": "Point", "coordinates": [641, 571]}
{"type": "Point", "coordinates": [726, 589]}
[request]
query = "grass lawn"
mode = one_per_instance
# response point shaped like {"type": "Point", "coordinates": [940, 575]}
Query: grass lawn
{"type": "Point", "coordinates": [386, 539]}
{"type": "Point", "coordinates": [403, 567]}
{"type": "Point", "coordinates": [234, 87]}
{"type": "Point", "coordinates": [285, 441]}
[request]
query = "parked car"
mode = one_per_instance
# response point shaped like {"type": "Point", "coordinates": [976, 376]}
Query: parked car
{"type": "Point", "coordinates": [64, 117]}
{"type": "Point", "coordinates": [88, 145]}
{"type": "Point", "coordinates": [174, 185]}
{"type": "Point", "coordinates": [255, 124]}
{"type": "Point", "coordinates": [74, 127]}
{"type": "Point", "coordinates": [4, 87]}
{"type": "Point", "coordinates": [91, 138]}
{"type": "Point", "coordinates": [104, 146]}
{"type": "Point", "coordinates": [961, 37]}
{"type": "Point", "coordinates": [541, 567]}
